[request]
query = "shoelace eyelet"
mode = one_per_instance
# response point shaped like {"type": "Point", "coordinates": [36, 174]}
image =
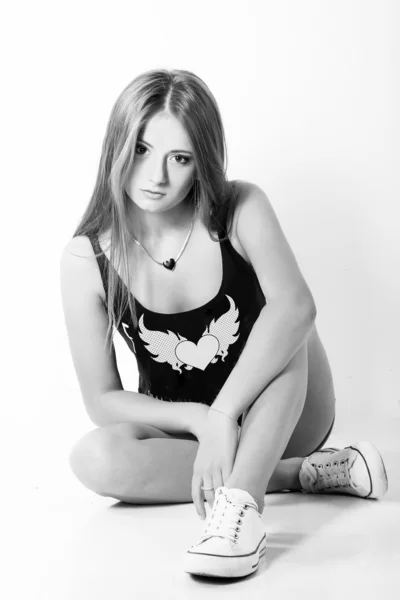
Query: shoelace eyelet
{"type": "Point", "coordinates": [335, 464]}
{"type": "Point", "coordinates": [327, 464]}
{"type": "Point", "coordinates": [239, 521]}
{"type": "Point", "coordinates": [342, 462]}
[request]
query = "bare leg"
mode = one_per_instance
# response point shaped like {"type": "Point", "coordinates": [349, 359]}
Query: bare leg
{"type": "Point", "coordinates": [268, 427]}
{"type": "Point", "coordinates": [142, 464]}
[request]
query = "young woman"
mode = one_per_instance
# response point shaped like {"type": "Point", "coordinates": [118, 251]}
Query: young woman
{"type": "Point", "coordinates": [235, 395]}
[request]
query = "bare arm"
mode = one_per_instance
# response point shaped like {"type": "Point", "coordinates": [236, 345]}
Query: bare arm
{"type": "Point", "coordinates": [288, 316]}
{"type": "Point", "coordinates": [279, 332]}
{"type": "Point", "coordinates": [175, 418]}
{"type": "Point", "coordinates": [105, 400]}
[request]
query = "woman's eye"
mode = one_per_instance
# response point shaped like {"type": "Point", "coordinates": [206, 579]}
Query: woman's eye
{"type": "Point", "coordinates": [138, 146]}
{"type": "Point", "coordinates": [185, 161]}
{"type": "Point", "coordinates": [185, 158]}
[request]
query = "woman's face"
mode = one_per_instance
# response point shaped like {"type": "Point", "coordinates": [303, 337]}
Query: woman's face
{"type": "Point", "coordinates": [163, 162]}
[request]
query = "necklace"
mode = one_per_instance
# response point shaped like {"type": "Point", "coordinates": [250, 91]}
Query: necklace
{"type": "Point", "coordinates": [171, 262]}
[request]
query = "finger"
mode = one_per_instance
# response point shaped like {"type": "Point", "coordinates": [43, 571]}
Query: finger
{"type": "Point", "coordinates": [226, 473]}
{"type": "Point", "coordinates": [207, 495]}
{"type": "Point", "coordinates": [197, 496]}
{"type": "Point", "coordinates": [217, 482]}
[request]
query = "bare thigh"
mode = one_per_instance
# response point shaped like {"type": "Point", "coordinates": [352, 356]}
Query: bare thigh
{"type": "Point", "coordinates": [143, 431]}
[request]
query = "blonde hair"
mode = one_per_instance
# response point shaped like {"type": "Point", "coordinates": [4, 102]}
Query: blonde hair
{"type": "Point", "coordinates": [187, 98]}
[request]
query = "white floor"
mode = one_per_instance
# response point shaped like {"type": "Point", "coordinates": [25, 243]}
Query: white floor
{"type": "Point", "coordinates": [66, 543]}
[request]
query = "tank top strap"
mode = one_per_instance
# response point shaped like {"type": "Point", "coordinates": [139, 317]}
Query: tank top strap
{"type": "Point", "coordinates": [101, 259]}
{"type": "Point", "coordinates": [221, 219]}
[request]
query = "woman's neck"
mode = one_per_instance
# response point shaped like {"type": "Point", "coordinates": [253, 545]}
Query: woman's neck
{"type": "Point", "coordinates": [153, 228]}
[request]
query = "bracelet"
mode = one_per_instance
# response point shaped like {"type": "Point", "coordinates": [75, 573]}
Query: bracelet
{"type": "Point", "coordinates": [222, 413]}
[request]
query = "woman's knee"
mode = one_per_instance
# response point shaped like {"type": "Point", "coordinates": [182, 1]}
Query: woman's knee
{"type": "Point", "coordinates": [91, 458]}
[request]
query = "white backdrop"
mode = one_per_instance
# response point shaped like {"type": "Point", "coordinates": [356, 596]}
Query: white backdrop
{"type": "Point", "coordinates": [309, 95]}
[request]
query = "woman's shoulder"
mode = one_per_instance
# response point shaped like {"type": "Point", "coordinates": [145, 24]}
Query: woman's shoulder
{"type": "Point", "coordinates": [241, 189]}
{"type": "Point", "coordinates": [79, 246]}
{"type": "Point", "coordinates": [89, 245]}
{"type": "Point", "coordinates": [78, 257]}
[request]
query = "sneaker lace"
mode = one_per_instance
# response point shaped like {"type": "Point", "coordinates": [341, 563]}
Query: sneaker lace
{"type": "Point", "coordinates": [332, 475]}
{"type": "Point", "coordinates": [225, 519]}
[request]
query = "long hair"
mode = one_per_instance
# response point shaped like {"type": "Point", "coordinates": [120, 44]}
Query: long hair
{"type": "Point", "coordinates": [187, 98]}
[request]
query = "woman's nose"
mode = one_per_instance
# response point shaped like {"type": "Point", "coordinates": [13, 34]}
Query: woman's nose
{"type": "Point", "coordinates": [158, 172]}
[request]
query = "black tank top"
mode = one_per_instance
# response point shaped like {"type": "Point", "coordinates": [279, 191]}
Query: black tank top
{"type": "Point", "coordinates": [187, 356]}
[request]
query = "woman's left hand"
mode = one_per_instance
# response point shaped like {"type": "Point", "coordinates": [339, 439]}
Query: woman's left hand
{"type": "Point", "coordinates": [215, 458]}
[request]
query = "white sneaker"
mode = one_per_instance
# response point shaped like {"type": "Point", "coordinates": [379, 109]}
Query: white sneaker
{"type": "Point", "coordinates": [357, 470]}
{"type": "Point", "coordinates": [233, 540]}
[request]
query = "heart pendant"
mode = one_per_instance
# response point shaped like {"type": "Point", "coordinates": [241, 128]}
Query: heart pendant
{"type": "Point", "coordinates": [169, 264]}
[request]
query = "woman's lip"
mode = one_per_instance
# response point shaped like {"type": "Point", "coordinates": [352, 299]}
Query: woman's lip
{"type": "Point", "coordinates": [154, 193]}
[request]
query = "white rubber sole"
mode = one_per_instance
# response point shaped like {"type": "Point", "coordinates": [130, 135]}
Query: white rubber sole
{"type": "Point", "coordinates": [215, 565]}
{"type": "Point", "coordinates": [376, 468]}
